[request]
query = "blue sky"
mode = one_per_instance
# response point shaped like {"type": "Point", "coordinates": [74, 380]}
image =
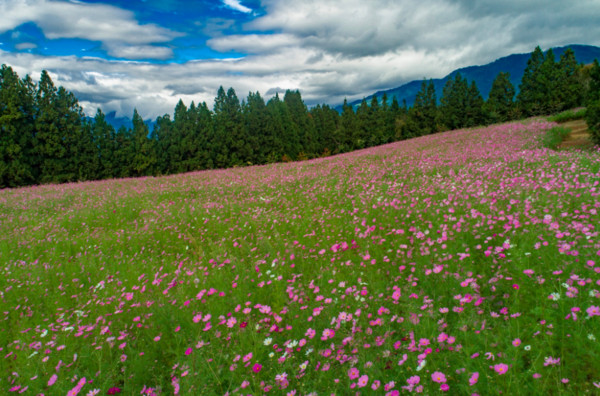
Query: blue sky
{"type": "Point", "coordinates": [148, 54]}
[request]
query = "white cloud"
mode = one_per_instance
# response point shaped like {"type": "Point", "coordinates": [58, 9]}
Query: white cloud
{"type": "Point", "coordinates": [327, 49]}
{"type": "Point", "coordinates": [23, 46]}
{"type": "Point", "coordinates": [114, 27]}
{"type": "Point", "coordinates": [141, 52]}
{"type": "Point", "coordinates": [236, 5]}
{"type": "Point", "coordinates": [253, 43]}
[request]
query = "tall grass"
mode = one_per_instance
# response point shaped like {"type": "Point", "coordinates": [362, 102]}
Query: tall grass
{"type": "Point", "coordinates": [462, 262]}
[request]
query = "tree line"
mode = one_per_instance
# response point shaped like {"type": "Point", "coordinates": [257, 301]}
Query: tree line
{"type": "Point", "coordinates": [46, 138]}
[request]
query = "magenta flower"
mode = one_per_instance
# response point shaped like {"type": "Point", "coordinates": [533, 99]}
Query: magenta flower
{"type": "Point", "coordinates": [444, 387]}
{"type": "Point", "coordinates": [353, 373]}
{"type": "Point", "coordinates": [593, 311]}
{"type": "Point", "coordinates": [501, 368]}
{"type": "Point", "coordinates": [257, 367]}
{"type": "Point", "coordinates": [114, 390]}
{"type": "Point", "coordinates": [188, 351]}
{"type": "Point", "coordinates": [52, 379]}
{"type": "Point", "coordinates": [363, 380]}
{"type": "Point", "coordinates": [438, 377]}
{"type": "Point", "coordinates": [474, 378]}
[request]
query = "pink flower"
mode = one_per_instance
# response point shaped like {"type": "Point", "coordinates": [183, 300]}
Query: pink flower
{"type": "Point", "coordinates": [375, 385]}
{"type": "Point", "coordinates": [444, 387]}
{"type": "Point", "coordinates": [52, 379]}
{"type": "Point", "coordinates": [353, 373]}
{"type": "Point", "coordinates": [414, 380]}
{"type": "Point", "coordinates": [363, 380]}
{"type": "Point", "coordinates": [438, 377]}
{"type": "Point", "coordinates": [474, 378]}
{"type": "Point", "coordinates": [516, 342]}
{"type": "Point", "coordinates": [257, 367]}
{"type": "Point", "coordinates": [593, 311]}
{"type": "Point", "coordinates": [501, 368]}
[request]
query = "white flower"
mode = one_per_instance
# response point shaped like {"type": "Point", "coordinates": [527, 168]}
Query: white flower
{"type": "Point", "coordinates": [421, 365]}
{"type": "Point", "coordinates": [591, 337]}
{"type": "Point", "coordinates": [268, 341]}
{"type": "Point", "coordinates": [527, 347]}
{"type": "Point", "coordinates": [555, 296]}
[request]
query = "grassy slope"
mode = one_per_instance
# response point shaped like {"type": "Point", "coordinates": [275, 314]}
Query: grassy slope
{"type": "Point", "coordinates": [444, 249]}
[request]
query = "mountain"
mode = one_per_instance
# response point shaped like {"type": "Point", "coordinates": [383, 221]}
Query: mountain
{"type": "Point", "coordinates": [127, 122]}
{"type": "Point", "coordinates": [483, 75]}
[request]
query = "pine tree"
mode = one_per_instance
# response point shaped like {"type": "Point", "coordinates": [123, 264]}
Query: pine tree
{"type": "Point", "coordinates": [15, 130]}
{"type": "Point", "coordinates": [104, 137]}
{"type": "Point", "coordinates": [500, 104]}
{"type": "Point", "coordinates": [346, 130]}
{"type": "Point", "coordinates": [530, 97]}
{"type": "Point", "coordinates": [568, 86]}
{"type": "Point", "coordinates": [144, 151]}
{"type": "Point", "coordinates": [453, 104]}
{"type": "Point", "coordinates": [423, 116]}
{"type": "Point", "coordinates": [474, 115]}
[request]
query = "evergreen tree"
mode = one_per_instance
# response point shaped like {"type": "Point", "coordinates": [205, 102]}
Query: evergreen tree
{"type": "Point", "coordinates": [303, 124]}
{"type": "Point", "coordinates": [474, 115]}
{"type": "Point", "coordinates": [500, 104]}
{"type": "Point", "coordinates": [453, 104]}
{"type": "Point", "coordinates": [256, 119]}
{"type": "Point", "coordinates": [144, 151]}
{"type": "Point", "coordinates": [15, 130]}
{"type": "Point", "coordinates": [423, 116]}
{"type": "Point", "coordinates": [531, 95]}
{"type": "Point", "coordinates": [594, 83]}
{"type": "Point", "coordinates": [568, 86]}
{"type": "Point", "coordinates": [347, 128]}
{"type": "Point", "coordinates": [104, 138]}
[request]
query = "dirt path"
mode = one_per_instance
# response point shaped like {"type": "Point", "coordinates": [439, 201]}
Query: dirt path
{"type": "Point", "coordinates": [579, 136]}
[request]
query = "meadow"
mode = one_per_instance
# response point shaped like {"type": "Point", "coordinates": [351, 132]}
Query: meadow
{"type": "Point", "coordinates": [465, 262]}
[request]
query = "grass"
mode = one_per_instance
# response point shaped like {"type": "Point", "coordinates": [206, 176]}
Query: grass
{"type": "Point", "coordinates": [471, 266]}
{"type": "Point", "coordinates": [555, 136]}
{"type": "Point", "coordinates": [569, 115]}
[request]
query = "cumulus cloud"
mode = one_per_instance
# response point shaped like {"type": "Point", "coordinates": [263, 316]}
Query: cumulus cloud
{"type": "Point", "coordinates": [114, 27]}
{"type": "Point", "coordinates": [253, 43]}
{"type": "Point", "coordinates": [24, 46]}
{"type": "Point", "coordinates": [236, 5]}
{"type": "Point", "coordinates": [328, 49]}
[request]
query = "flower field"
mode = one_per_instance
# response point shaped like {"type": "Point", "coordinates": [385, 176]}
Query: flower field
{"type": "Point", "coordinates": [465, 262]}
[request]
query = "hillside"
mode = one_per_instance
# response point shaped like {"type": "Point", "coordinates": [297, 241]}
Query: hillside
{"type": "Point", "coordinates": [483, 75]}
{"type": "Point", "coordinates": [464, 261]}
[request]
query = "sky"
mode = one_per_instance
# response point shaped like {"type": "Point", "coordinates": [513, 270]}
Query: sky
{"type": "Point", "coordinates": [148, 54]}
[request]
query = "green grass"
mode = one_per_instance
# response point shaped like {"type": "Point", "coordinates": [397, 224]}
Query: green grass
{"type": "Point", "coordinates": [224, 281]}
{"type": "Point", "coordinates": [568, 115]}
{"type": "Point", "coordinates": [555, 136]}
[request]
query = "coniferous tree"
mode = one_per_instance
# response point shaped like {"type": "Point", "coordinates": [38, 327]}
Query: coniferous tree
{"type": "Point", "coordinates": [530, 97]}
{"type": "Point", "coordinates": [594, 84]}
{"type": "Point", "coordinates": [144, 151]}
{"type": "Point", "coordinates": [453, 104]}
{"type": "Point", "coordinates": [104, 139]}
{"type": "Point", "coordinates": [15, 130]}
{"type": "Point", "coordinates": [423, 116]}
{"type": "Point", "coordinates": [568, 86]}
{"type": "Point", "coordinates": [50, 150]}
{"type": "Point", "coordinates": [500, 104]}
{"type": "Point", "coordinates": [474, 115]}
{"type": "Point", "coordinates": [346, 129]}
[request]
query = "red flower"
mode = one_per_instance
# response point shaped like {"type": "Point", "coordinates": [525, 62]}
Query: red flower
{"type": "Point", "coordinates": [113, 391]}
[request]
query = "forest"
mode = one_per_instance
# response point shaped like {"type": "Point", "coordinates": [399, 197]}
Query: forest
{"type": "Point", "coordinates": [46, 138]}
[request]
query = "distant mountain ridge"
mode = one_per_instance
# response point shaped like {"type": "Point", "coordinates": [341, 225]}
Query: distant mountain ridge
{"type": "Point", "coordinates": [482, 75]}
